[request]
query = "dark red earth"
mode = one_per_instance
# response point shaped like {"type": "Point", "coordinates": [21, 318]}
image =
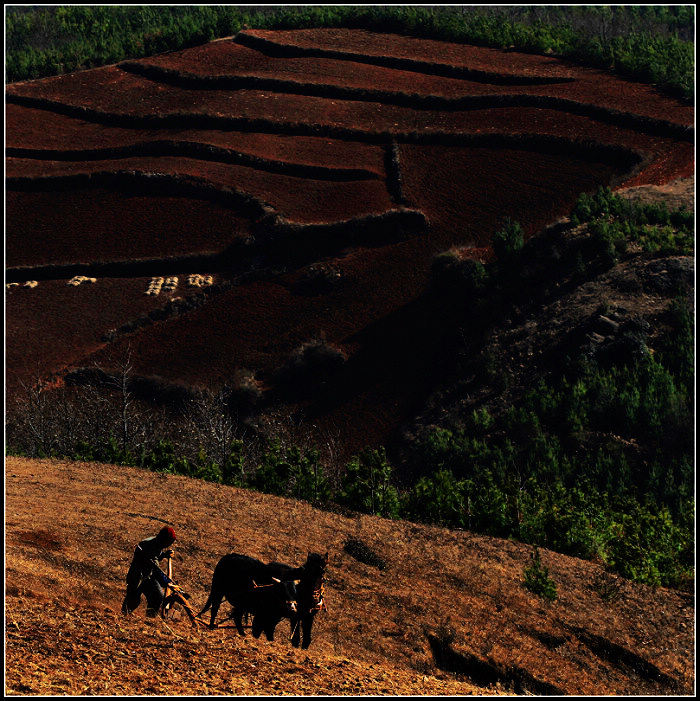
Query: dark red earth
{"type": "Point", "coordinates": [465, 169]}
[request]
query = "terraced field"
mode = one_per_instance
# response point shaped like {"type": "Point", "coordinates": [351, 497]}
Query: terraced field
{"type": "Point", "coordinates": [254, 158]}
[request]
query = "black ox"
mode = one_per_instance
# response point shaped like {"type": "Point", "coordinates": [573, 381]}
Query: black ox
{"type": "Point", "coordinates": [251, 588]}
{"type": "Point", "coordinates": [309, 589]}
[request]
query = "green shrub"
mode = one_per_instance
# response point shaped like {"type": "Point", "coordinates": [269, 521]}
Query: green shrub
{"type": "Point", "coordinates": [366, 484]}
{"type": "Point", "coordinates": [537, 579]}
{"type": "Point", "coordinates": [456, 276]}
{"type": "Point", "coordinates": [608, 240]}
{"type": "Point", "coordinates": [439, 499]}
{"type": "Point", "coordinates": [508, 241]}
{"type": "Point", "coordinates": [233, 468]}
{"type": "Point", "coordinates": [615, 220]}
{"type": "Point", "coordinates": [647, 546]}
{"type": "Point", "coordinates": [310, 366]}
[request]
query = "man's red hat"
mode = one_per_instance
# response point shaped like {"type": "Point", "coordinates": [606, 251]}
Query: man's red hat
{"type": "Point", "coordinates": [167, 533]}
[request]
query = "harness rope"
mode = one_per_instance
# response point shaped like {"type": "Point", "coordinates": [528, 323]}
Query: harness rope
{"type": "Point", "coordinates": [317, 597]}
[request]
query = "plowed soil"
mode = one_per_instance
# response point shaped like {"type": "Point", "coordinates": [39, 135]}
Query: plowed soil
{"type": "Point", "coordinates": [455, 199]}
{"type": "Point", "coordinates": [70, 533]}
{"type": "Point", "coordinates": [588, 85]}
{"type": "Point", "coordinates": [373, 316]}
{"type": "Point", "coordinates": [297, 199]}
{"type": "Point", "coordinates": [54, 325]}
{"type": "Point", "coordinates": [38, 129]}
{"type": "Point", "coordinates": [394, 45]}
{"type": "Point", "coordinates": [99, 224]}
{"type": "Point", "coordinates": [526, 153]}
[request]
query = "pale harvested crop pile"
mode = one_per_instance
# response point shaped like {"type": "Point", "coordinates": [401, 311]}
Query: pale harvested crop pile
{"type": "Point", "coordinates": [71, 528]}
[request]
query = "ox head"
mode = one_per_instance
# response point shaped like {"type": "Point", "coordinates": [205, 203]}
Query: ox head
{"type": "Point", "coordinates": [315, 566]}
{"type": "Point", "coordinates": [286, 596]}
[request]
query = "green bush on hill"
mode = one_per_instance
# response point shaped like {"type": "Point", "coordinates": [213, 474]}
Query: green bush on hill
{"type": "Point", "coordinates": [615, 221]}
{"type": "Point", "coordinates": [537, 579]}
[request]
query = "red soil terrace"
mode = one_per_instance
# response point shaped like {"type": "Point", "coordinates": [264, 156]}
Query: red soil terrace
{"type": "Point", "coordinates": [117, 94]}
{"type": "Point", "coordinates": [590, 85]}
{"type": "Point", "coordinates": [54, 325]}
{"type": "Point", "coordinates": [464, 169]}
{"type": "Point", "coordinates": [38, 129]}
{"type": "Point", "coordinates": [298, 199]}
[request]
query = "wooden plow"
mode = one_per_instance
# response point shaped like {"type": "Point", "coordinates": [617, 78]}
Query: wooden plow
{"type": "Point", "coordinates": [175, 594]}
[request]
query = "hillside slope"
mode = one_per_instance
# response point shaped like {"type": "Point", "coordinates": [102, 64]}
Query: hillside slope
{"type": "Point", "coordinates": [446, 599]}
{"type": "Point", "coordinates": [313, 174]}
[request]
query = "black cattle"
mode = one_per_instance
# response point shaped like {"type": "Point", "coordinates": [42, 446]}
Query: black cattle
{"type": "Point", "coordinates": [309, 590]}
{"type": "Point", "coordinates": [250, 587]}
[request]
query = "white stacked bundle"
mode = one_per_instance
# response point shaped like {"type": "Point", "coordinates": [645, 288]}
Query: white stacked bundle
{"type": "Point", "coordinates": [170, 284]}
{"type": "Point", "coordinates": [79, 279]}
{"type": "Point", "coordinates": [197, 280]}
{"type": "Point", "coordinates": [154, 286]}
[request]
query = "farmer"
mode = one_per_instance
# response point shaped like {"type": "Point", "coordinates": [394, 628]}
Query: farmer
{"type": "Point", "coordinates": [145, 575]}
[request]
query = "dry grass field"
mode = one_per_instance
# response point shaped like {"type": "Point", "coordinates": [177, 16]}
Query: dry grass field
{"type": "Point", "coordinates": [71, 529]}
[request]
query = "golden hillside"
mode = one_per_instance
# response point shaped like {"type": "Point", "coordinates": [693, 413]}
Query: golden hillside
{"type": "Point", "coordinates": [447, 599]}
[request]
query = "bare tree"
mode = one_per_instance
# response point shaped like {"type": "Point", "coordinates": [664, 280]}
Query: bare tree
{"type": "Point", "coordinates": [218, 431]}
{"type": "Point", "coordinates": [32, 419]}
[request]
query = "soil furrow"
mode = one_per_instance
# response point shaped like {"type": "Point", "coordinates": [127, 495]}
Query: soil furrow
{"type": "Point", "coordinates": [539, 142]}
{"type": "Point", "coordinates": [200, 151]}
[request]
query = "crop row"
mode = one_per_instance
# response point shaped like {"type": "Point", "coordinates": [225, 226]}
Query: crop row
{"type": "Point", "coordinates": [230, 65]}
{"type": "Point", "coordinates": [435, 136]}
{"type": "Point", "coordinates": [39, 129]}
{"type": "Point", "coordinates": [119, 220]}
{"type": "Point", "coordinates": [352, 139]}
{"type": "Point", "coordinates": [227, 58]}
{"type": "Point", "coordinates": [582, 84]}
{"type": "Point", "coordinates": [271, 226]}
{"type": "Point", "coordinates": [379, 127]}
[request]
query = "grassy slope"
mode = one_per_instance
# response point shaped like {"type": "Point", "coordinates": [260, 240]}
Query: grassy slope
{"type": "Point", "coordinates": [70, 523]}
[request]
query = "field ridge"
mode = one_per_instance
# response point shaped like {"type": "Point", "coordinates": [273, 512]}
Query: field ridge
{"type": "Point", "coordinates": [200, 151]}
{"type": "Point", "coordinates": [628, 120]}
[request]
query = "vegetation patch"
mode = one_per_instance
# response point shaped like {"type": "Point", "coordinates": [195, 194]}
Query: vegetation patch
{"type": "Point", "coordinates": [311, 365]}
{"type": "Point", "coordinates": [362, 552]}
{"type": "Point", "coordinates": [537, 579]}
